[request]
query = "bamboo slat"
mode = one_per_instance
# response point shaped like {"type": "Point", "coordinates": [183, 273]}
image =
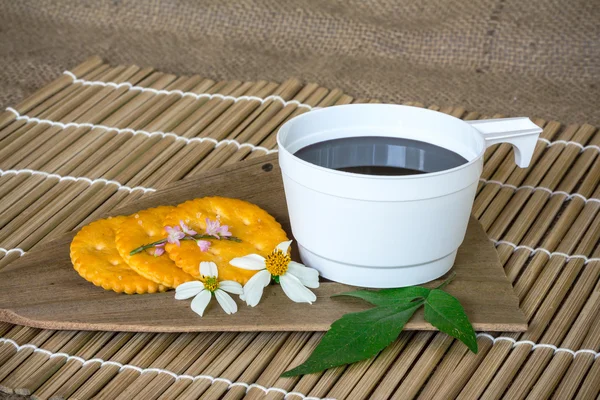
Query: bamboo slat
{"type": "Point", "coordinates": [557, 284]}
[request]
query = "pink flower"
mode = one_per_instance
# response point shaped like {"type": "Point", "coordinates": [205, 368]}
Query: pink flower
{"type": "Point", "coordinates": [224, 231]}
{"type": "Point", "coordinates": [203, 244]}
{"type": "Point", "coordinates": [214, 228]}
{"type": "Point", "coordinates": [174, 234]}
{"type": "Point", "coordinates": [159, 249]}
{"type": "Point", "coordinates": [186, 229]}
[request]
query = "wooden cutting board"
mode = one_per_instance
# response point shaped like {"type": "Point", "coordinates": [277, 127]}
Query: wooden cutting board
{"type": "Point", "coordinates": [42, 290]}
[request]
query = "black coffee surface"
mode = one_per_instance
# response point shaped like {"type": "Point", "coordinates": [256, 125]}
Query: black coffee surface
{"type": "Point", "coordinates": [377, 170]}
{"type": "Point", "coordinates": [378, 155]}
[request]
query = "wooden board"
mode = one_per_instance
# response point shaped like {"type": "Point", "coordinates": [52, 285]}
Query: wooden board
{"type": "Point", "coordinates": [43, 290]}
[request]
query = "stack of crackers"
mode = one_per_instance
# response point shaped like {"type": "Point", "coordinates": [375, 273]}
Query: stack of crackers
{"type": "Point", "coordinates": [101, 251]}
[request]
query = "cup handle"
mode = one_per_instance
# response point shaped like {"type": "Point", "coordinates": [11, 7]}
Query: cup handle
{"type": "Point", "coordinates": [521, 132]}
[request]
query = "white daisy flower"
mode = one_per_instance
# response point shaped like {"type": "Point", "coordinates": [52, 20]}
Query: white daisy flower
{"type": "Point", "coordinates": [293, 277]}
{"type": "Point", "coordinates": [204, 290]}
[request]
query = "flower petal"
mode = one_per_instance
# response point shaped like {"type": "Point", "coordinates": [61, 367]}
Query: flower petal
{"type": "Point", "coordinates": [253, 262]}
{"type": "Point", "coordinates": [212, 227]}
{"type": "Point", "coordinates": [173, 240]}
{"type": "Point", "coordinates": [309, 277]}
{"type": "Point", "coordinates": [203, 244]}
{"type": "Point", "coordinates": [295, 290]}
{"type": "Point", "coordinates": [200, 302]}
{"type": "Point", "coordinates": [226, 302]}
{"type": "Point", "coordinates": [188, 289]}
{"type": "Point", "coordinates": [186, 229]}
{"type": "Point", "coordinates": [284, 246]}
{"type": "Point", "coordinates": [224, 231]}
{"type": "Point", "coordinates": [253, 289]}
{"type": "Point", "coordinates": [231, 287]}
{"type": "Point", "coordinates": [209, 269]}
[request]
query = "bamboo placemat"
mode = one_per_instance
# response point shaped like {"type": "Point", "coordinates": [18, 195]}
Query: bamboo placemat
{"type": "Point", "coordinates": [100, 136]}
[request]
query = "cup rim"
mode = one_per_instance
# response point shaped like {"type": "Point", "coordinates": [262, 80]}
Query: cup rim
{"type": "Point", "coordinates": [283, 149]}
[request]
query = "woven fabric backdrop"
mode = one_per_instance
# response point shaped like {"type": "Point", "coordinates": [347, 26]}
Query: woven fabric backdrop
{"type": "Point", "coordinates": [534, 58]}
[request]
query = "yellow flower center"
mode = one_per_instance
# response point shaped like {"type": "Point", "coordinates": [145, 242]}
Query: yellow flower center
{"type": "Point", "coordinates": [211, 284]}
{"type": "Point", "coordinates": [277, 262]}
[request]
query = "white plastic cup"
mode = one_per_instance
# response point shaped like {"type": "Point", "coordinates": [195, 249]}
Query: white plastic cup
{"type": "Point", "coordinates": [388, 231]}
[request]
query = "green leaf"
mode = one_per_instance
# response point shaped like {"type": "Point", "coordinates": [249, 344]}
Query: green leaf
{"type": "Point", "coordinates": [387, 297]}
{"type": "Point", "coordinates": [446, 313]}
{"type": "Point", "coordinates": [357, 336]}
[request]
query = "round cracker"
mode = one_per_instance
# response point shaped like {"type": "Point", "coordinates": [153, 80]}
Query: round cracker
{"type": "Point", "coordinates": [257, 229]}
{"type": "Point", "coordinates": [95, 257]}
{"type": "Point", "coordinates": [142, 228]}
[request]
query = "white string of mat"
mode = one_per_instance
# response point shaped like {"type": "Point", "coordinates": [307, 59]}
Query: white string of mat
{"type": "Point", "coordinates": [216, 142]}
{"type": "Point", "coordinates": [252, 147]}
{"type": "Point", "coordinates": [175, 376]}
{"type": "Point", "coordinates": [262, 100]}
{"type": "Point", "coordinates": [546, 251]}
{"type": "Point", "coordinates": [570, 196]}
{"type": "Point", "coordinates": [515, 247]}
{"type": "Point", "coordinates": [75, 179]}
{"type": "Point", "coordinates": [197, 96]}
{"type": "Point", "coordinates": [538, 345]}
{"type": "Point", "coordinates": [148, 189]}
{"type": "Point", "coordinates": [130, 86]}
{"type": "Point", "coordinates": [9, 251]}
{"type": "Point", "coordinates": [568, 143]}
{"type": "Point", "coordinates": [266, 390]}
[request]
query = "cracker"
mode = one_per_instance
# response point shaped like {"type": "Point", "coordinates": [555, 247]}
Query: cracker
{"type": "Point", "coordinates": [258, 230]}
{"type": "Point", "coordinates": [95, 257]}
{"type": "Point", "coordinates": [142, 228]}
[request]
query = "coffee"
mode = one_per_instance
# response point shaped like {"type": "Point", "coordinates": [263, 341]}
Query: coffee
{"type": "Point", "coordinates": [379, 155]}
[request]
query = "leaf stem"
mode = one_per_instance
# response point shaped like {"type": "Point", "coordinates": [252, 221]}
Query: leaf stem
{"type": "Point", "coordinates": [447, 281]}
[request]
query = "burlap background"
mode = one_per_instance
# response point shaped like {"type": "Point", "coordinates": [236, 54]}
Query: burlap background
{"type": "Point", "coordinates": [518, 57]}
